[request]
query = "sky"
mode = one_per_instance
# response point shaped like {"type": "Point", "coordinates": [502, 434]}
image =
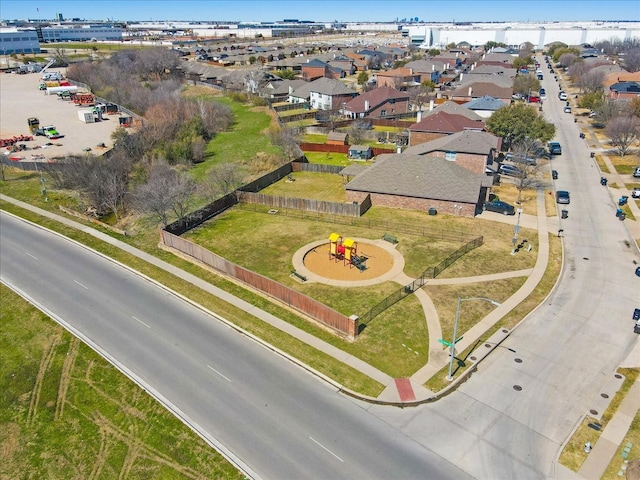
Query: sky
{"type": "Point", "coordinates": [325, 10]}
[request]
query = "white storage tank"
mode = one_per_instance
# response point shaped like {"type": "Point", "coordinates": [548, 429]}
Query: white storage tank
{"type": "Point", "coordinates": [66, 88]}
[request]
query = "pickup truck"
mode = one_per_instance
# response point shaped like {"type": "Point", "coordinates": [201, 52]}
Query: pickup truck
{"type": "Point", "coordinates": [554, 148]}
{"type": "Point", "coordinates": [49, 131]}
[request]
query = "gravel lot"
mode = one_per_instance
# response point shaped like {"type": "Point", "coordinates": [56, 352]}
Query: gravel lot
{"type": "Point", "coordinates": [21, 99]}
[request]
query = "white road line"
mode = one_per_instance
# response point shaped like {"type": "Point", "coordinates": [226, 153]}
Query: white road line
{"type": "Point", "coordinates": [83, 286]}
{"type": "Point", "coordinates": [27, 253]}
{"type": "Point", "coordinates": [226, 378]}
{"type": "Point", "coordinates": [137, 319]}
{"type": "Point", "coordinates": [325, 448]}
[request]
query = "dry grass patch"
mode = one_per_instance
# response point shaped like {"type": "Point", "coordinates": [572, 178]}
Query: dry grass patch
{"type": "Point", "coordinates": [316, 186]}
{"type": "Point", "coordinates": [624, 165]}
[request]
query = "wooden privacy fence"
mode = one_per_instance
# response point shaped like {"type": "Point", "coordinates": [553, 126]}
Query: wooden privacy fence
{"type": "Point", "coordinates": [278, 202]}
{"type": "Point", "coordinates": [339, 322]}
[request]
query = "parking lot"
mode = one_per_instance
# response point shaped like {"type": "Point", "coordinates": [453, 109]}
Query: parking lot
{"type": "Point", "coordinates": [21, 99]}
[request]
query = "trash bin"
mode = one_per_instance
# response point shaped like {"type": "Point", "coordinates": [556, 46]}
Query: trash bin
{"type": "Point", "coordinates": [623, 200]}
{"type": "Point", "coordinates": [593, 154]}
{"type": "Point", "coordinates": [622, 216]}
{"type": "Point", "coordinates": [433, 211]}
{"type": "Point", "coordinates": [565, 213]}
{"type": "Point", "coordinates": [618, 212]}
{"type": "Point", "coordinates": [603, 181]}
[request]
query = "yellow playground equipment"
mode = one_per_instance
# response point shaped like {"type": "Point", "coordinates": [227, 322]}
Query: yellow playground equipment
{"type": "Point", "coordinates": [347, 251]}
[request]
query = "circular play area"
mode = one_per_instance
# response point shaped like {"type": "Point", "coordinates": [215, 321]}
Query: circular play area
{"type": "Point", "coordinates": [348, 261]}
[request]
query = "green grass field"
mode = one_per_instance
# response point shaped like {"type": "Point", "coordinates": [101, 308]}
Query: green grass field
{"type": "Point", "coordinates": [65, 412]}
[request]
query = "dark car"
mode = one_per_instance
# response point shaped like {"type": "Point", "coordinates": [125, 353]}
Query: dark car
{"type": "Point", "coordinates": [562, 196]}
{"type": "Point", "coordinates": [554, 174]}
{"type": "Point", "coordinates": [499, 207]}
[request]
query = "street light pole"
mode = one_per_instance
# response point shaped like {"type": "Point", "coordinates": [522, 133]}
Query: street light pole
{"type": "Point", "coordinates": [455, 329]}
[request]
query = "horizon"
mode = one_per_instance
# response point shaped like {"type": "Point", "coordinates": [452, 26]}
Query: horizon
{"type": "Point", "coordinates": [347, 11]}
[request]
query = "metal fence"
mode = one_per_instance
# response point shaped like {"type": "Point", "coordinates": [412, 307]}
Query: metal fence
{"type": "Point", "coordinates": [431, 272]}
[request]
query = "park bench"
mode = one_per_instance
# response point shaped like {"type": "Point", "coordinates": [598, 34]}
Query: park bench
{"type": "Point", "coordinates": [389, 238]}
{"type": "Point", "coordinates": [298, 276]}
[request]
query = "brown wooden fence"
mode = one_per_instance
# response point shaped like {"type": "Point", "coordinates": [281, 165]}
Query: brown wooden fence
{"type": "Point", "coordinates": [339, 322]}
{"type": "Point", "coordinates": [322, 147]}
{"type": "Point", "coordinates": [310, 205]}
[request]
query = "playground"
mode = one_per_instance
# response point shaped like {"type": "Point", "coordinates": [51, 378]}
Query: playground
{"type": "Point", "coordinates": [357, 262]}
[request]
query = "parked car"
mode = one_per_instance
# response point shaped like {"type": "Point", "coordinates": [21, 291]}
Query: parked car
{"type": "Point", "coordinates": [513, 157]}
{"type": "Point", "coordinates": [567, 109]}
{"type": "Point", "coordinates": [554, 174]}
{"type": "Point", "coordinates": [562, 96]}
{"type": "Point", "coordinates": [554, 148]}
{"type": "Point", "coordinates": [509, 170]}
{"type": "Point", "coordinates": [499, 207]}
{"type": "Point", "coordinates": [562, 196]}
{"type": "Point", "coordinates": [635, 193]}
{"type": "Point", "coordinates": [636, 172]}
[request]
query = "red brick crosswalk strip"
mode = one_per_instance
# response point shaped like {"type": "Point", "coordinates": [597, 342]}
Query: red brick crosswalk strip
{"type": "Point", "coordinates": [405, 389]}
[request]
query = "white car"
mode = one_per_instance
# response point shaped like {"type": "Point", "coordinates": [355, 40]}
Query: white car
{"type": "Point", "coordinates": [635, 193]}
{"type": "Point", "coordinates": [563, 96]}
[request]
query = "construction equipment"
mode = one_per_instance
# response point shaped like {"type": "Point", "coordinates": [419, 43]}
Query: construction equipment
{"type": "Point", "coordinates": [51, 62]}
{"type": "Point", "coordinates": [33, 123]}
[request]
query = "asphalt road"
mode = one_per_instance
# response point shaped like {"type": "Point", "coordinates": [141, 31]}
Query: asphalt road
{"type": "Point", "coordinates": [568, 348]}
{"type": "Point", "coordinates": [270, 417]}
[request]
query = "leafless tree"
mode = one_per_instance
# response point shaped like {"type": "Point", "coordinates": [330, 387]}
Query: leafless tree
{"type": "Point", "coordinates": [166, 191]}
{"type": "Point", "coordinates": [591, 81]}
{"type": "Point", "coordinates": [287, 140]}
{"type": "Point", "coordinates": [420, 94]}
{"type": "Point", "coordinates": [222, 179]}
{"type": "Point", "coordinates": [528, 177]}
{"type": "Point", "coordinates": [609, 110]}
{"type": "Point", "coordinates": [623, 132]}
{"type": "Point", "coordinates": [567, 59]}
{"type": "Point", "coordinates": [357, 131]}
{"type": "Point", "coordinates": [631, 60]}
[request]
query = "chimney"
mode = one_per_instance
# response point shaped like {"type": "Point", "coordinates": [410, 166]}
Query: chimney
{"type": "Point", "coordinates": [473, 66]}
{"type": "Point", "coordinates": [484, 55]}
{"type": "Point", "coordinates": [448, 66]}
{"type": "Point", "coordinates": [470, 90]}
{"type": "Point", "coordinates": [431, 105]}
{"type": "Point", "coordinates": [433, 67]}
{"type": "Point", "coordinates": [366, 105]}
{"type": "Point", "coordinates": [419, 116]}
{"type": "Point", "coordinates": [411, 71]}
{"type": "Point", "coordinates": [457, 54]}
{"type": "Point", "coordinates": [461, 75]}
{"type": "Point", "coordinates": [290, 89]}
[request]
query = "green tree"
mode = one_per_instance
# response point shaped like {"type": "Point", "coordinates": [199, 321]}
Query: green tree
{"type": "Point", "coordinates": [525, 84]}
{"type": "Point", "coordinates": [517, 122]}
{"type": "Point", "coordinates": [520, 62]}
{"type": "Point", "coordinates": [451, 45]}
{"type": "Point", "coordinates": [286, 74]}
{"type": "Point", "coordinates": [491, 44]}
{"type": "Point", "coordinates": [433, 52]}
{"type": "Point", "coordinates": [363, 77]}
{"type": "Point", "coordinates": [592, 100]}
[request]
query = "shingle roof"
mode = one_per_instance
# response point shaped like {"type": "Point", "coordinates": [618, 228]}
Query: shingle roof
{"type": "Point", "coordinates": [485, 102]}
{"type": "Point", "coordinates": [375, 97]}
{"type": "Point", "coordinates": [500, 80]}
{"type": "Point", "coordinates": [443, 122]}
{"type": "Point", "coordinates": [420, 177]}
{"type": "Point", "coordinates": [480, 89]}
{"type": "Point", "coordinates": [504, 70]}
{"type": "Point", "coordinates": [330, 86]}
{"type": "Point", "coordinates": [455, 108]}
{"type": "Point", "coordinates": [466, 141]}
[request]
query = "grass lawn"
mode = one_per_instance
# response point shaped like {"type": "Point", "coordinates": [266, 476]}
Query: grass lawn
{"type": "Point", "coordinates": [65, 412]}
{"type": "Point", "coordinates": [573, 455]}
{"type": "Point", "coordinates": [317, 186]}
{"type": "Point", "coordinates": [624, 165]}
{"type": "Point", "coordinates": [328, 158]}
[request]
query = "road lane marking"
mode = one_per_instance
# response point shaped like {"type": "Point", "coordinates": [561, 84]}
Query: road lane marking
{"type": "Point", "coordinates": [325, 448]}
{"type": "Point", "coordinates": [140, 321]}
{"type": "Point", "coordinates": [27, 253]}
{"type": "Point", "coordinates": [83, 286]}
{"type": "Point", "coordinates": [226, 378]}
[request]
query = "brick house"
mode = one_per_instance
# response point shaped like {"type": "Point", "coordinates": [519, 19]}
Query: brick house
{"type": "Point", "coordinates": [419, 182]}
{"type": "Point", "coordinates": [377, 103]}
{"type": "Point", "coordinates": [315, 69]}
{"type": "Point", "coordinates": [471, 90]}
{"type": "Point", "coordinates": [474, 150]}
{"type": "Point", "coordinates": [624, 90]}
{"type": "Point", "coordinates": [441, 124]}
{"type": "Point", "coordinates": [398, 78]}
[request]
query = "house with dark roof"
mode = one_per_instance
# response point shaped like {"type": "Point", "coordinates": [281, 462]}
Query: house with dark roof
{"type": "Point", "coordinates": [624, 90]}
{"type": "Point", "coordinates": [315, 68]}
{"type": "Point", "coordinates": [485, 106]}
{"type": "Point", "coordinates": [419, 182]}
{"type": "Point", "coordinates": [329, 94]}
{"type": "Point", "coordinates": [279, 90]}
{"type": "Point", "coordinates": [441, 124]}
{"type": "Point", "coordinates": [451, 107]}
{"type": "Point", "coordinates": [472, 149]}
{"type": "Point", "coordinates": [377, 103]}
{"type": "Point", "coordinates": [398, 78]}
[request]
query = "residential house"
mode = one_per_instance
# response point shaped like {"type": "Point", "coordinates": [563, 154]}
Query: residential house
{"type": "Point", "coordinates": [398, 78]}
{"type": "Point", "coordinates": [451, 107]}
{"type": "Point", "coordinates": [440, 124]}
{"type": "Point", "coordinates": [342, 63]}
{"type": "Point", "coordinates": [501, 69]}
{"type": "Point", "coordinates": [279, 90]}
{"type": "Point", "coordinates": [329, 94]}
{"type": "Point", "coordinates": [429, 69]}
{"type": "Point", "coordinates": [377, 103]}
{"type": "Point", "coordinates": [621, 76]}
{"type": "Point", "coordinates": [313, 69]}
{"type": "Point", "coordinates": [486, 105]}
{"type": "Point", "coordinates": [471, 90]}
{"type": "Point", "coordinates": [472, 149]}
{"type": "Point", "coordinates": [419, 182]}
{"type": "Point", "coordinates": [624, 91]}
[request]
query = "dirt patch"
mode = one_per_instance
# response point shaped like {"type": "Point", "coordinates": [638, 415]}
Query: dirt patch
{"type": "Point", "coordinates": [378, 262]}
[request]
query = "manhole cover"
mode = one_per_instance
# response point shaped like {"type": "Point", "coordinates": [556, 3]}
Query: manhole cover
{"type": "Point", "coordinates": [473, 359]}
{"type": "Point", "coordinates": [505, 331]}
{"type": "Point", "coordinates": [517, 360]}
{"type": "Point", "coordinates": [604, 395]}
{"type": "Point", "coordinates": [517, 388]}
{"type": "Point", "coordinates": [617, 375]}
{"type": "Point", "coordinates": [593, 412]}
